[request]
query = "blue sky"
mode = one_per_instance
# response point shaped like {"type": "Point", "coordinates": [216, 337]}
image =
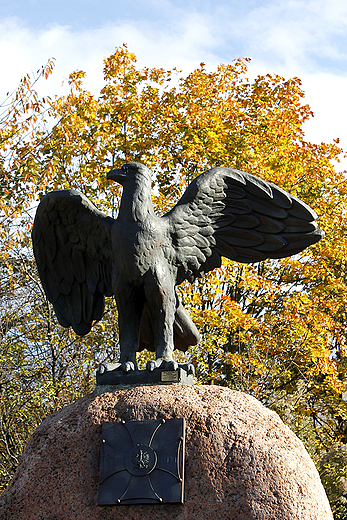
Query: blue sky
{"type": "Point", "coordinates": [304, 38]}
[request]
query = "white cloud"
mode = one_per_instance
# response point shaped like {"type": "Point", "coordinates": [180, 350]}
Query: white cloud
{"type": "Point", "coordinates": [297, 31]}
{"type": "Point", "coordinates": [326, 95]}
{"type": "Point", "coordinates": [25, 50]}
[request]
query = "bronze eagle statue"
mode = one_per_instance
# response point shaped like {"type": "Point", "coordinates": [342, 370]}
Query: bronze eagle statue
{"type": "Point", "coordinates": [83, 255]}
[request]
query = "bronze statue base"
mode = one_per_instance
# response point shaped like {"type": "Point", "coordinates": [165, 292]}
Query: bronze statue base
{"type": "Point", "coordinates": [112, 374]}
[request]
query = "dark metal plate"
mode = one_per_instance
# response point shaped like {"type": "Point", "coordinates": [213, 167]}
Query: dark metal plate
{"type": "Point", "coordinates": [142, 462]}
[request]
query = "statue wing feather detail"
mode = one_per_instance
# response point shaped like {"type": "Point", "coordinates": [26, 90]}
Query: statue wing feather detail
{"type": "Point", "coordinates": [73, 250]}
{"type": "Point", "coordinates": [226, 212]}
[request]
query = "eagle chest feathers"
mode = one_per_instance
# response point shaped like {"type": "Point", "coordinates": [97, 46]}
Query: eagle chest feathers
{"type": "Point", "coordinates": [137, 247]}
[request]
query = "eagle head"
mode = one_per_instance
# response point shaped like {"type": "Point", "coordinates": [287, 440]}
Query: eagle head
{"type": "Point", "coordinates": [128, 171]}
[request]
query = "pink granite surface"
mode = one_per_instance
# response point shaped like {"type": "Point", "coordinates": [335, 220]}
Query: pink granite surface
{"type": "Point", "coordinates": [242, 462]}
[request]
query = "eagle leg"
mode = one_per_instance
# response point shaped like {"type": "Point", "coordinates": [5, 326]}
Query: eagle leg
{"type": "Point", "coordinates": [130, 303]}
{"type": "Point", "coordinates": [161, 300]}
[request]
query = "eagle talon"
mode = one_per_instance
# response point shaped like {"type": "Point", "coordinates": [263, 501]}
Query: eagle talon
{"type": "Point", "coordinates": [128, 366]}
{"type": "Point", "coordinates": [165, 364]}
{"type": "Point", "coordinates": [125, 366]}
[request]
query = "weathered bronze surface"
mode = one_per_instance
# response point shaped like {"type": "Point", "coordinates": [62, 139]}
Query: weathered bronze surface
{"type": "Point", "coordinates": [142, 462]}
{"type": "Point", "coordinates": [82, 255]}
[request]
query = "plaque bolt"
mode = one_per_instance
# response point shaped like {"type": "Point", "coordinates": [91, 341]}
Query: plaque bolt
{"type": "Point", "coordinates": [103, 441]}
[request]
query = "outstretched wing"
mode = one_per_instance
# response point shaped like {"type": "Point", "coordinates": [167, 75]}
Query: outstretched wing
{"type": "Point", "coordinates": [226, 212]}
{"type": "Point", "coordinates": [73, 251]}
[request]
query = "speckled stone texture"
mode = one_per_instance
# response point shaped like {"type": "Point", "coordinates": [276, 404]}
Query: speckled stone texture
{"type": "Point", "coordinates": [242, 462]}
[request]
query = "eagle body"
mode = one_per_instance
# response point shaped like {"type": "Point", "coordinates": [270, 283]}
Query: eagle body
{"type": "Point", "coordinates": [141, 272]}
{"type": "Point", "coordinates": [83, 255]}
{"type": "Point", "coordinates": [139, 236]}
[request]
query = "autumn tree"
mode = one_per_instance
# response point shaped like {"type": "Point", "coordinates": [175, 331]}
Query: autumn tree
{"type": "Point", "coordinates": [275, 329]}
{"type": "Point", "coordinates": [42, 366]}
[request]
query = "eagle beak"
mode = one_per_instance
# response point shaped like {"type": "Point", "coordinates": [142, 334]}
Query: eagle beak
{"type": "Point", "coordinates": [117, 175]}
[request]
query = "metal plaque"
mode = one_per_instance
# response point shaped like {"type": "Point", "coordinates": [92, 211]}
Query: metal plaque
{"type": "Point", "coordinates": [142, 462]}
{"type": "Point", "coordinates": [169, 376]}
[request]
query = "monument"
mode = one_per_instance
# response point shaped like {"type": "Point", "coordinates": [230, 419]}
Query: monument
{"type": "Point", "coordinates": [119, 452]}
